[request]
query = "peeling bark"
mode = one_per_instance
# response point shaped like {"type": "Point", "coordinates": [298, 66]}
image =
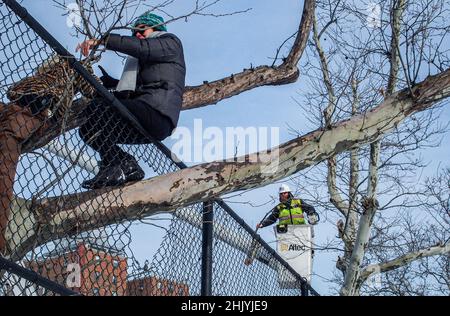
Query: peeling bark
{"type": "Point", "coordinates": [208, 93]}
{"type": "Point", "coordinates": [354, 157]}
{"type": "Point", "coordinates": [60, 216]}
{"type": "Point", "coordinates": [350, 231]}
{"type": "Point", "coordinates": [370, 206]}
{"type": "Point", "coordinates": [352, 281]}
{"type": "Point", "coordinates": [335, 197]}
{"type": "Point", "coordinates": [347, 230]}
{"type": "Point", "coordinates": [212, 92]}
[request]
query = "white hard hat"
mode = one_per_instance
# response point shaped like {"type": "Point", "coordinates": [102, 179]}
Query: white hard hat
{"type": "Point", "coordinates": [284, 188]}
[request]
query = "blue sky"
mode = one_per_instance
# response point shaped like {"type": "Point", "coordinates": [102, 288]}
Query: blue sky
{"type": "Point", "coordinates": [218, 47]}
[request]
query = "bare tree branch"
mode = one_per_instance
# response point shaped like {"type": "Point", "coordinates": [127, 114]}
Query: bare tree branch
{"type": "Point", "coordinates": [63, 215]}
{"type": "Point", "coordinates": [404, 260]}
{"type": "Point", "coordinates": [213, 92]}
{"type": "Point", "coordinates": [335, 197]}
{"type": "Point", "coordinates": [352, 282]}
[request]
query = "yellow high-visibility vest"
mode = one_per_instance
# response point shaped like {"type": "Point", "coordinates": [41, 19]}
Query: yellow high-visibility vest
{"type": "Point", "coordinates": [292, 215]}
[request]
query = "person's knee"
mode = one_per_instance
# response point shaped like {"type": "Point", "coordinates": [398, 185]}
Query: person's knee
{"type": "Point", "coordinates": [161, 126]}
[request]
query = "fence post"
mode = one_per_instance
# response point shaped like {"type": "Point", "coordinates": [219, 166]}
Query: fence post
{"type": "Point", "coordinates": [207, 244]}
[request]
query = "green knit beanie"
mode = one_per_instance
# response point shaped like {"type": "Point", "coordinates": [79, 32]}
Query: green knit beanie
{"type": "Point", "coordinates": [151, 19]}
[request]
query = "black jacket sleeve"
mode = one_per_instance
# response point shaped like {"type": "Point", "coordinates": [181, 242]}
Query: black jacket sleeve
{"type": "Point", "coordinates": [158, 49]}
{"type": "Point", "coordinates": [308, 209]}
{"type": "Point", "coordinates": [273, 217]}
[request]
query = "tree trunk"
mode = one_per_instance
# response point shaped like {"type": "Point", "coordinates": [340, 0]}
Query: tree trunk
{"type": "Point", "coordinates": [16, 125]}
{"type": "Point", "coordinates": [351, 281]}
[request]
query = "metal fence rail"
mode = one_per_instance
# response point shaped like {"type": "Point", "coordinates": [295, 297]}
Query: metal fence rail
{"type": "Point", "coordinates": [205, 244]}
{"type": "Point", "coordinates": [20, 275]}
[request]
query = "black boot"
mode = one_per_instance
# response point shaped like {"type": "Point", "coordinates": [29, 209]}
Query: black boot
{"type": "Point", "coordinates": [131, 169]}
{"type": "Point", "coordinates": [108, 174]}
{"type": "Point", "coordinates": [115, 174]}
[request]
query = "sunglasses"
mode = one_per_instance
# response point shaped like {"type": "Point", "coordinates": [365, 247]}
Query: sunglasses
{"type": "Point", "coordinates": [144, 28]}
{"type": "Point", "coordinates": [139, 31]}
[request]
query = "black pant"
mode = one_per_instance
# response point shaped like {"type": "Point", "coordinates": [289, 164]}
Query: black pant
{"type": "Point", "coordinates": [106, 127]}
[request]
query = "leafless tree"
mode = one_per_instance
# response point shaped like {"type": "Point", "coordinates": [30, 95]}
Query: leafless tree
{"type": "Point", "coordinates": [355, 63]}
{"type": "Point", "coordinates": [98, 18]}
{"type": "Point", "coordinates": [381, 83]}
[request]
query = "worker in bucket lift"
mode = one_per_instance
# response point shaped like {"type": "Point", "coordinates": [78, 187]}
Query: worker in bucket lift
{"type": "Point", "coordinates": [290, 211]}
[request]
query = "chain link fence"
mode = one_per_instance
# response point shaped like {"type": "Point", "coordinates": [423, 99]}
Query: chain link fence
{"type": "Point", "coordinates": [57, 238]}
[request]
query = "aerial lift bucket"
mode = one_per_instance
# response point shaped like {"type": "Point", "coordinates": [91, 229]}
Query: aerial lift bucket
{"type": "Point", "coordinates": [295, 246]}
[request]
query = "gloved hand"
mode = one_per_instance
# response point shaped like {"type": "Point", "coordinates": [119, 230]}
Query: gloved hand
{"type": "Point", "coordinates": [108, 81]}
{"type": "Point", "coordinates": [313, 219]}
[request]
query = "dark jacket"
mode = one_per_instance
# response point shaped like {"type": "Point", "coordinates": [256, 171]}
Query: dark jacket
{"type": "Point", "coordinates": [161, 77]}
{"type": "Point", "coordinates": [273, 217]}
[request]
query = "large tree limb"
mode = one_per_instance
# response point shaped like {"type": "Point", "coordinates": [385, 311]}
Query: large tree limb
{"type": "Point", "coordinates": [209, 93]}
{"type": "Point", "coordinates": [213, 92]}
{"type": "Point", "coordinates": [404, 260]}
{"type": "Point", "coordinates": [287, 72]}
{"type": "Point", "coordinates": [56, 217]}
{"type": "Point", "coordinates": [54, 129]}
